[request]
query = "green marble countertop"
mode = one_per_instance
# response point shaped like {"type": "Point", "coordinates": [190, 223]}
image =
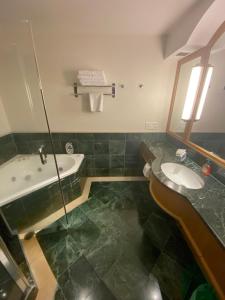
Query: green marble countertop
{"type": "Point", "coordinates": [209, 201]}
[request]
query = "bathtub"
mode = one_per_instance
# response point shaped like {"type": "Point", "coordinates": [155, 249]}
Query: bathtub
{"type": "Point", "coordinates": [25, 174]}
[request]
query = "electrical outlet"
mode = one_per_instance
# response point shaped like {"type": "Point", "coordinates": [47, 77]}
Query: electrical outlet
{"type": "Point", "coordinates": [151, 125]}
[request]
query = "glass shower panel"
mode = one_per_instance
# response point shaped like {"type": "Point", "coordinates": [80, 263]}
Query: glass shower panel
{"type": "Point", "coordinates": [30, 192]}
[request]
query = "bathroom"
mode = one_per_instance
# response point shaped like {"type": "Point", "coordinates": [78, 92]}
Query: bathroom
{"type": "Point", "coordinates": [112, 152]}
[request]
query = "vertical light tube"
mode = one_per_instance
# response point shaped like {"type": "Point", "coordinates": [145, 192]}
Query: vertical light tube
{"type": "Point", "coordinates": [191, 93]}
{"type": "Point", "coordinates": [204, 93]}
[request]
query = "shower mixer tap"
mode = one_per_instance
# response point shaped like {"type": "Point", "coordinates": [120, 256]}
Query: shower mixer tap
{"type": "Point", "coordinates": [42, 154]}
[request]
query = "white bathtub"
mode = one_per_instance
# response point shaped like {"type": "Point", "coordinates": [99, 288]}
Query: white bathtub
{"type": "Point", "coordinates": [25, 174]}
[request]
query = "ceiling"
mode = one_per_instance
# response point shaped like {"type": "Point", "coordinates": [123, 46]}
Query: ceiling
{"type": "Point", "coordinates": [139, 17]}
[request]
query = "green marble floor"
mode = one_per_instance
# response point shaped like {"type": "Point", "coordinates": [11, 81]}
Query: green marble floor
{"type": "Point", "coordinates": [119, 245]}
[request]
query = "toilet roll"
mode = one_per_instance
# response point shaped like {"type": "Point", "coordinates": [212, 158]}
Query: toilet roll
{"type": "Point", "coordinates": [147, 170]}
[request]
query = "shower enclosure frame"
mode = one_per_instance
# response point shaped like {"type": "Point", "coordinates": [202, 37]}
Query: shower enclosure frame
{"type": "Point", "coordinates": [28, 26]}
{"type": "Point", "coordinates": [46, 116]}
{"type": "Point", "coordinates": [14, 271]}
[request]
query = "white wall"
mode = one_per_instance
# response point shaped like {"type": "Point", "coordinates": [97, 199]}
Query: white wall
{"type": "Point", "coordinates": [4, 123]}
{"type": "Point", "coordinates": [130, 60]}
{"type": "Point", "coordinates": [177, 38]}
{"type": "Point", "coordinates": [19, 88]}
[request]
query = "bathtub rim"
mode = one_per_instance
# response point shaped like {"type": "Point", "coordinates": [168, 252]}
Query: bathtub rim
{"type": "Point", "coordinates": [9, 199]}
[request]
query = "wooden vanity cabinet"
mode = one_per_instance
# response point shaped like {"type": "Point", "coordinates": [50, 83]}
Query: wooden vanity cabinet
{"type": "Point", "coordinates": [206, 248]}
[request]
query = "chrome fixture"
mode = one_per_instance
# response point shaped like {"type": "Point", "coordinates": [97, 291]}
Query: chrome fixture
{"type": "Point", "coordinates": [69, 148]}
{"type": "Point", "coordinates": [26, 288]}
{"type": "Point", "coordinates": [42, 154]}
{"type": "Point", "coordinates": [112, 86]}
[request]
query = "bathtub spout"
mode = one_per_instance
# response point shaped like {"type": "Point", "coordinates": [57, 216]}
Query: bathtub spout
{"type": "Point", "coordinates": [42, 154]}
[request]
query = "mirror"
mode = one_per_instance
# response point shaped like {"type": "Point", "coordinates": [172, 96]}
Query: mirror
{"type": "Point", "coordinates": [177, 125]}
{"type": "Point", "coordinates": [209, 131]}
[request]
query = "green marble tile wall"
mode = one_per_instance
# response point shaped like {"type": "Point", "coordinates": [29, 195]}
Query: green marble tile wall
{"type": "Point", "coordinates": [113, 154]}
{"type": "Point", "coordinates": [106, 154]}
{"type": "Point", "coordinates": [7, 148]}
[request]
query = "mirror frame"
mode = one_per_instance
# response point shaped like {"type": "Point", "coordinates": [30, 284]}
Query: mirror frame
{"type": "Point", "coordinates": [204, 53]}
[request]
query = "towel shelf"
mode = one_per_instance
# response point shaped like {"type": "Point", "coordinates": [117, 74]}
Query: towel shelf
{"type": "Point", "coordinates": [112, 86]}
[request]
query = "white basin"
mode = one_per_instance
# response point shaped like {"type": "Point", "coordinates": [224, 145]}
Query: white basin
{"type": "Point", "coordinates": [182, 175]}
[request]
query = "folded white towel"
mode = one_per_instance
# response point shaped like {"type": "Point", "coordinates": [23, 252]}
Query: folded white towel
{"type": "Point", "coordinates": [96, 102]}
{"type": "Point", "coordinates": [80, 77]}
{"type": "Point", "coordinates": [91, 77]}
{"type": "Point", "coordinates": [91, 82]}
{"type": "Point", "coordinates": [100, 104]}
{"type": "Point", "coordinates": [91, 73]}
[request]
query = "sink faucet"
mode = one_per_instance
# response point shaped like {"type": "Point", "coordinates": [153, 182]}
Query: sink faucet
{"type": "Point", "coordinates": [42, 154]}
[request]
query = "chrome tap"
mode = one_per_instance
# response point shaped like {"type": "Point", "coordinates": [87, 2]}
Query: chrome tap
{"type": "Point", "coordinates": [42, 154]}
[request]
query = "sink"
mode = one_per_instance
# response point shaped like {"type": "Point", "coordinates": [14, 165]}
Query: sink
{"type": "Point", "coordinates": [182, 175]}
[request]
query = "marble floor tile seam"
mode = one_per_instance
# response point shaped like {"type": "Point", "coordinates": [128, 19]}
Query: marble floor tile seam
{"type": "Point", "coordinates": [61, 291]}
{"type": "Point", "coordinates": [52, 248]}
{"type": "Point", "coordinates": [114, 264]}
{"type": "Point", "coordinates": [177, 262]}
{"type": "Point", "coordinates": [122, 191]}
{"type": "Point", "coordinates": [66, 229]}
{"type": "Point", "coordinates": [66, 269]}
{"type": "Point", "coordinates": [78, 251]}
{"type": "Point", "coordinates": [37, 227]}
{"type": "Point", "coordinates": [163, 252]}
{"type": "Point", "coordinates": [111, 204]}
{"type": "Point", "coordinates": [86, 255]}
{"type": "Point", "coordinates": [100, 280]}
{"type": "Point", "coordinates": [100, 191]}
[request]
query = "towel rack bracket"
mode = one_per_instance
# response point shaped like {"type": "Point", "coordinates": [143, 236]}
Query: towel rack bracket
{"type": "Point", "coordinates": [112, 86]}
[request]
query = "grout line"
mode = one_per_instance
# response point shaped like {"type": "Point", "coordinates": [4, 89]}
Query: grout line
{"type": "Point", "coordinates": [77, 202]}
{"type": "Point", "coordinates": [43, 275]}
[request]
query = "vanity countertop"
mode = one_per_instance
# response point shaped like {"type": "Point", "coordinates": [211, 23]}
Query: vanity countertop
{"type": "Point", "coordinates": [208, 201]}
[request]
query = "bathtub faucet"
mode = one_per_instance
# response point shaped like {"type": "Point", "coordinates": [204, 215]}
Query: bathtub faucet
{"type": "Point", "coordinates": [43, 154]}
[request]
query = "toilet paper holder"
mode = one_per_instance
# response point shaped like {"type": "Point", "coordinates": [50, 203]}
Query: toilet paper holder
{"type": "Point", "coordinates": [147, 169]}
